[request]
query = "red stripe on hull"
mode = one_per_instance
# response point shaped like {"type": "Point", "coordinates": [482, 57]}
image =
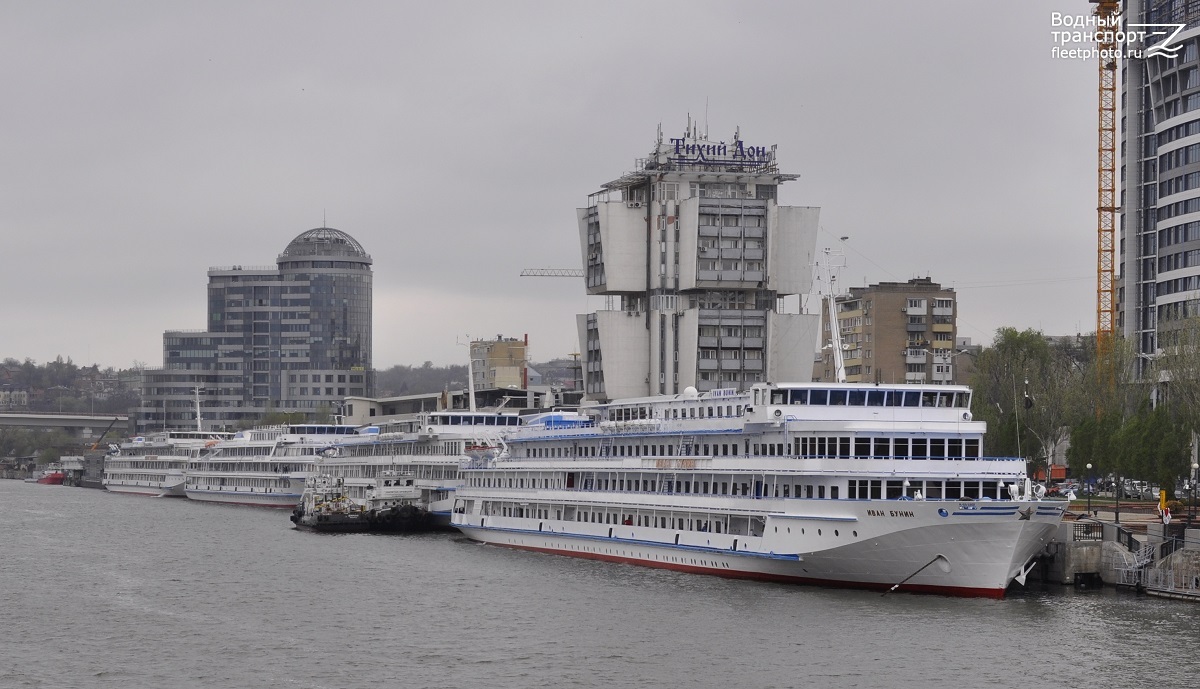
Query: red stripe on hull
{"type": "Point", "coordinates": [958, 591]}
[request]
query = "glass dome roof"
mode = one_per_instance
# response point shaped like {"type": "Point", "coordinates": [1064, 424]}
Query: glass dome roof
{"type": "Point", "coordinates": [324, 241]}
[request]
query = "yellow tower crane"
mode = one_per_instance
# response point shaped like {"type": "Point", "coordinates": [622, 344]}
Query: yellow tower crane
{"type": "Point", "coordinates": [1106, 208]}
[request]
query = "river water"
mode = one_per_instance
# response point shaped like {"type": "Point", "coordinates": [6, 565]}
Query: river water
{"type": "Point", "coordinates": [104, 590]}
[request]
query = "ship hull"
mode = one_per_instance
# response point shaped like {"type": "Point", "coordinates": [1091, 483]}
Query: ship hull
{"type": "Point", "coordinates": [968, 553]}
{"type": "Point", "coordinates": [248, 498]}
{"type": "Point", "coordinates": [166, 489]}
{"type": "Point", "coordinates": [404, 519]}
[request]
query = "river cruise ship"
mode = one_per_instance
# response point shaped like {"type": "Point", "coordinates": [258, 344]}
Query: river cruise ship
{"type": "Point", "coordinates": [430, 447]}
{"type": "Point", "coordinates": [867, 486]}
{"type": "Point", "coordinates": [155, 464]}
{"type": "Point", "coordinates": [263, 467]}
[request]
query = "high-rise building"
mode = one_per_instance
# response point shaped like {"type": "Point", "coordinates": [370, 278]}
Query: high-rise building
{"type": "Point", "coordinates": [291, 338]}
{"type": "Point", "coordinates": [697, 259]}
{"type": "Point", "coordinates": [893, 332]}
{"type": "Point", "coordinates": [1160, 179]}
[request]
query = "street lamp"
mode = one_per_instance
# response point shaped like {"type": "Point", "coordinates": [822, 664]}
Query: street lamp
{"type": "Point", "coordinates": [61, 389]}
{"type": "Point", "coordinates": [1089, 489]}
{"type": "Point", "coordinates": [1117, 499]}
{"type": "Point", "coordinates": [1192, 502]}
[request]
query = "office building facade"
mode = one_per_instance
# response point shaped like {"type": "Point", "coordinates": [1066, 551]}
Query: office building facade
{"type": "Point", "coordinates": [696, 259]}
{"type": "Point", "coordinates": [295, 337]}
{"type": "Point", "coordinates": [1160, 181]}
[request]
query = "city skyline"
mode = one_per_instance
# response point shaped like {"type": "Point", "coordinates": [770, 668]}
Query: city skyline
{"type": "Point", "coordinates": [156, 142]}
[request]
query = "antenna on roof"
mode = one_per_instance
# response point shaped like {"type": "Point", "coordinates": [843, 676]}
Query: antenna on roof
{"type": "Point", "coordinates": [706, 117]}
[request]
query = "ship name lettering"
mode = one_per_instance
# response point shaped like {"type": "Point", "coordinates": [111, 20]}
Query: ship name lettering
{"type": "Point", "coordinates": [902, 513]}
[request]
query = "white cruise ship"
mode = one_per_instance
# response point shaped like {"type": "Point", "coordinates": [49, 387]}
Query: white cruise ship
{"type": "Point", "coordinates": [855, 485]}
{"type": "Point", "coordinates": [155, 464]}
{"type": "Point", "coordinates": [431, 447]}
{"type": "Point", "coordinates": [264, 467]}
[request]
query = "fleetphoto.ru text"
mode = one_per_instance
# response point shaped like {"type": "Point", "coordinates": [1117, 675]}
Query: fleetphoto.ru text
{"type": "Point", "coordinates": [1081, 36]}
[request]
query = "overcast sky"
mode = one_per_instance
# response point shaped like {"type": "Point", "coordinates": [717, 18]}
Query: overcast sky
{"type": "Point", "coordinates": [143, 142]}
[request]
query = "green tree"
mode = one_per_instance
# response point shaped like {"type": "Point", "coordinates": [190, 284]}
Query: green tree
{"type": "Point", "coordinates": [1028, 391]}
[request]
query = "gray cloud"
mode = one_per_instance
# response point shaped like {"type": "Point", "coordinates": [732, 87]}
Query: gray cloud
{"type": "Point", "coordinates": [145, 142]}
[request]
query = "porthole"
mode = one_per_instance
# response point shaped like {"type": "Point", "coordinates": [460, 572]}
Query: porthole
{"type": "Point", "coordinates": [818, 532]}
{"type": "Point", "coordinates": [855, 533]}
{"type": "Point", "coordinates": [835, 532]}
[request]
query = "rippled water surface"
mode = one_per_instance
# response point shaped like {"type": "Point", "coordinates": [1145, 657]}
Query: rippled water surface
{"type": "Point", "coordinates": [103, 590]}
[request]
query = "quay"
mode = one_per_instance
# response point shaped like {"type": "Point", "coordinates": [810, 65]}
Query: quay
{"type": "Point", "coordinates": [1138, 552]}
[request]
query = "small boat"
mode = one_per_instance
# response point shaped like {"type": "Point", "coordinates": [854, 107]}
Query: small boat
{"type": "Point", "coordinates": [393, 504]}
{"type": "Point", "coordinates": [52, 475]}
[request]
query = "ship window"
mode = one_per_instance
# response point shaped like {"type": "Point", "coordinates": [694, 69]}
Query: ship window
{"type": "Point", "coordinates": [919, 448]}
{"type": "Point", "coordinates": [971, 447]}
{"type": "Point", "coordinates": [856, 398]}
{"type": "Point", "coordinates": [799, 396]}
{"type": "Point", "coordinates": [954, 489]}
{"type": "Point", "coordinates": [862, 447]}
{"type": "Point", "coordinates": [877, 398]}
{"type": "Point", "coordinates": [881, 447]}
{"type": "Point", "coordinates": [901, 448]}
{"type": "Point", "coordinates": [837, 397]}
{"type": "Point", "coordinates": [937, 448]}
{"type": "Point", "coordinates": [808, 492]}
{"type": "Point", "coordinates": [787, 491]}
{"type": "Point", "coordinates": [818, 397]}
{"type": "Point", "coordinates": [833, 492]}
{"type": "Point", "coordinates": [954, 448]}
{"type": "Point", "coordinates": [821, 492]}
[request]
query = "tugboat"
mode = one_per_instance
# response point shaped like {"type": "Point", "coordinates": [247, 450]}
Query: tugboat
{"type": "Point", "coordinates": [392, 505]}
{"type": "Point", "coordinates": [52, 475]}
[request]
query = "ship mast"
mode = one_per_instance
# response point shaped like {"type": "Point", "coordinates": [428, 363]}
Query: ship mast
{"type": "Point", "coordinates": [835, 333]}
{"type": "Point", "coordinates": [199, 423]}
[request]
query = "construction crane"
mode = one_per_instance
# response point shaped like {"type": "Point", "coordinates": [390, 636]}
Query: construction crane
{"type": "Point", "coordinates": [106, 430]}
{"type": "Point", "coordinates": [552, 273]}
{"type": "Point", "coordinates": [1106, 12]}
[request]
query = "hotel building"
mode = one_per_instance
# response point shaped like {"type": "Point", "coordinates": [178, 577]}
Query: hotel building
{"type": "Point", "coordinates": [697, 259]}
